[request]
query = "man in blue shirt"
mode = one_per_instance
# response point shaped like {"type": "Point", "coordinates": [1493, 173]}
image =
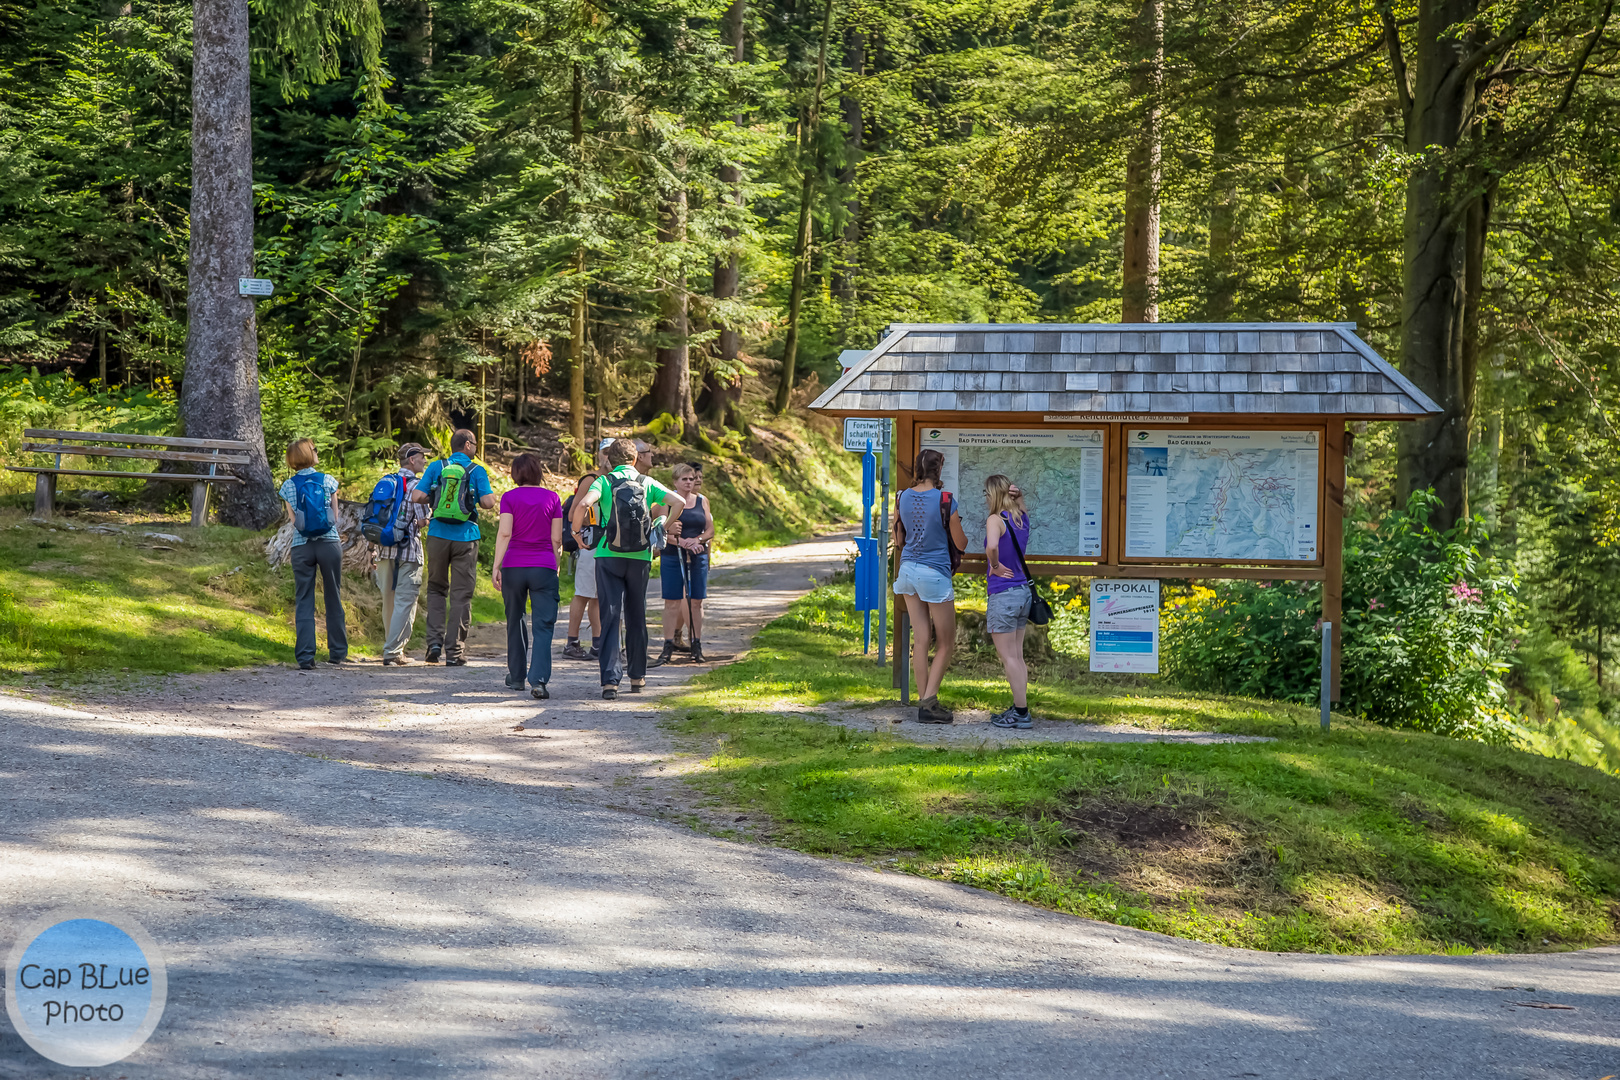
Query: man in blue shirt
{"type": "Point", "coordinates": [452, 553]}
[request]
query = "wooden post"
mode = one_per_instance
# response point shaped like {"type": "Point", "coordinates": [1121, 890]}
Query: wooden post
{"type": "Point", "coordinates": [199, 497]}
{"type": "Point", "coordinates": [1114, 497]}
{"type": "Point", "coordinates": [905, 456]}
{"type": "Point", "coordinates": [45, 494]}
{"type": "Point", "coordinates": [1332, 537]}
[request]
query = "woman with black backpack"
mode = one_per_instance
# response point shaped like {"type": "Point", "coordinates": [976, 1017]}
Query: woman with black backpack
{"type": "Point", "coordinates": [311, 499]}
{"type": "Point", "coordinates": [929, 531]}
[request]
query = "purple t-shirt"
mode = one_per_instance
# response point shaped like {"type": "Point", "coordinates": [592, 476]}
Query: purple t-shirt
{"type": "Point", "coordinates": [533, 509]}
{"type": "Point", "coordinates": [1008, 557]}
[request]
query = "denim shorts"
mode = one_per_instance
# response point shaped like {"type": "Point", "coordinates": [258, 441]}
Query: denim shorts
{"type": "Point", "coordinates": [697, 574]}
{"type": "Point", "coordinates": [1006, 611]}
{"type": "Point", "coordinates": [924, 582]}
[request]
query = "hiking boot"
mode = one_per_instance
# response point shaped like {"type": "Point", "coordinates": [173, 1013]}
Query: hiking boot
{"type": "Point", "coordinates": [636, 685]}
{"type": "Point", "coordinates": [663, 657]}
{"type": "Point", "coordinates": [397, 661]}
{"type": "Point", "coordinates": [697, 652]}
{"type": "Point", "coordinates": [342, 661]}
{"type": "Point", "coordinates": [575, 651]}
{"type": "Point", "coordinates": [433, 654]}
{"type": "Point", "coordinates": [932, 712]}
{"type": "Point", "coordinates": [540, 693]}
{"type": "Point", "coordinates": [514, 684]}
{"type": "Point", "coordinates": [460, 661]}
{"type": "Point", "coordinates": [609, 693]}
{"type": "Point", "coordinates": [307, 667]}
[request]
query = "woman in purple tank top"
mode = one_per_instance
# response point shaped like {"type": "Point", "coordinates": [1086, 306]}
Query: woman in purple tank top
{"type": "Point", "coordinates": [1006, 613]}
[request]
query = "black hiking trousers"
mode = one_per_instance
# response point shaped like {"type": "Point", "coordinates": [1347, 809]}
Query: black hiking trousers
{"type": "Point", "coordinates": [621, 593]}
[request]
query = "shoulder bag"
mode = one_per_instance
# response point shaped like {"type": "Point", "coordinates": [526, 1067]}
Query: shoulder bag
{"type": "Point", "coordinates": [1040, 611]}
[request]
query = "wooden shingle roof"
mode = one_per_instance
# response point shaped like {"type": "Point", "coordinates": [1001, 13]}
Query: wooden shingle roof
{"type": "Point", "coordinates": [1207, 368]}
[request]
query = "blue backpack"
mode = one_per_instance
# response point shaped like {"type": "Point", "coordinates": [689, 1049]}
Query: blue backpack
{"type": "Point", "coordinates": [380, 524]}
{"type": "Point", "coordinates": [310, 514]}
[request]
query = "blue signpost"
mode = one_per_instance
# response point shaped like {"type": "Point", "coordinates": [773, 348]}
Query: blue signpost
{"type": "Point", "coordinates": [867, 596]}
{"type": "Point", "coordinates": [871, 567]}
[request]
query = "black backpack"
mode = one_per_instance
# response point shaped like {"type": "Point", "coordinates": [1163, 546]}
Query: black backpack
{"type": "Point", "coordinates": [946, 506]}
{"type": "Point", "coordinates": [630, 526]}
{"type": "Point", "coordinates": [569, 541]}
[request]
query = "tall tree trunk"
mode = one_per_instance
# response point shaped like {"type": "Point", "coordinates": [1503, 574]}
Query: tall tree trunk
{"type": "Point", "coordinates": [801, 243]}
{"type": "Point", "coordinates": [671, 390]}
{"type": "Point", "coordinates": [843, 281]}
{"type": "Point", "coordinates": [1444, 247]}
{"type": "Point", "coordinates": [1223, 204]}
{"type": "Point", "coordinates": [576, 326]}
{"type": "Point", "coordinates": [1139, 299]}
{"type": "Point", "coordinates": [220, 392]}
{"type": "Point", "coordinates": [722, 389]}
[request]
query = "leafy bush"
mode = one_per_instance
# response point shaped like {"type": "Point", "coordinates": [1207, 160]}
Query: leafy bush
{"type": "Point", "coordinates": [1251, 638]}
{"type": "Point", "coordinates": [1562, 712]}
{"type": "Point", "coordinates": [1426, 634]}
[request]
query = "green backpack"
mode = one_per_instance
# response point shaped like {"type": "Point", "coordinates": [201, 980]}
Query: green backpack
{"type": "Point", "coordinates": [452, 495]}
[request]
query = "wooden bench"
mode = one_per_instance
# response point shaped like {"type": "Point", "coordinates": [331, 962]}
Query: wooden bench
{"type": "Point", "coordinates": [112, 444]}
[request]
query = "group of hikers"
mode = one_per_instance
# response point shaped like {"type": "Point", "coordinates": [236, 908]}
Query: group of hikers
{"type": "Point", "coordinates": [423, 521]}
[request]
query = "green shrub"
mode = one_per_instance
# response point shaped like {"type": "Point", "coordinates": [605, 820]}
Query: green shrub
{"type": "Point", "coordinates": [1426, 634]}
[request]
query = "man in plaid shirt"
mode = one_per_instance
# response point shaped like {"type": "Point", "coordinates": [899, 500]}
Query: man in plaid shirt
{"type": "Point", "coordinates": [399, 568]}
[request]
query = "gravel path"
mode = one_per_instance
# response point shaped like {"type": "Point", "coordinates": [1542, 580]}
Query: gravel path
{"type": "Point", "coordinates": [367, 872]}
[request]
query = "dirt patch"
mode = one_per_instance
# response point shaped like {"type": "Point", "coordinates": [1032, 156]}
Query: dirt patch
{"type": "Point", "coordinates": [1171, 851]}
{"type": "Point", "coordinates": [1144, 826]}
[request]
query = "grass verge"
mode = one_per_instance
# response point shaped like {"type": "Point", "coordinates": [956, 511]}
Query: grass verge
{"type": "Point", "coordinates": [76, 601]}
{"type": "Point", "coordinates": [1364, 840]}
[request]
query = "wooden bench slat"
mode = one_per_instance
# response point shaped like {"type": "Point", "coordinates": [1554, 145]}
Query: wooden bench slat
{"type": "Point", "coordinates": [136, 440]}
{"type": "Point", "coordinates": [172, 478]}
{"type": "Point", "coordinates": [145, 455]}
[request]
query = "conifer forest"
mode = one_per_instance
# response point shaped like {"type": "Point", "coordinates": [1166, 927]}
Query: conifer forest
{"type": "Point", "coordinates": [635, 207]}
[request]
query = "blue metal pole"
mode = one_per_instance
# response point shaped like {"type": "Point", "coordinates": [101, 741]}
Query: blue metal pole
{"type": "Point", "coordinates": [1327, 675]}
{"type": "Point", "coordinates": [868, 494]}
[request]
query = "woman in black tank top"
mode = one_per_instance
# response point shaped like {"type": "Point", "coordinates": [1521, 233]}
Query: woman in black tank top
{"type": "Point", "coordinates": [684, 565]}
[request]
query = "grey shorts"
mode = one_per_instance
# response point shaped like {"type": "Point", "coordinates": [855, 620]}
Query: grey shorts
{"type": "Point", "coordinates": [1006, 611]}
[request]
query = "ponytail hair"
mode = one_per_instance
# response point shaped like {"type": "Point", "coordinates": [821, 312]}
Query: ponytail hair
{"type": "Point", "coordinates": [930, 464]}
{"type": "Point", "coordinates": [1000, 499]}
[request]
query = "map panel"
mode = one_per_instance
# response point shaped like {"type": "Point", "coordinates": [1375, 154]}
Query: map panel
{"type": "Point", "coordinates": [1060, 473]}
{"type": "Point", "coordinates": [1228, 495]}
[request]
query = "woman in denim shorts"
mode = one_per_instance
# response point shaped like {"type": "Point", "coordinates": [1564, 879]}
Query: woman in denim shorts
{"type": "Point", "coordinates": [924, 579]}
{"type": "Point", "coordinates": [1006, 613]}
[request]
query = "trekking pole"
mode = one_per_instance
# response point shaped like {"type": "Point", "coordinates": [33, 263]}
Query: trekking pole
{"type": "Point", "coordinates": [686, 587]}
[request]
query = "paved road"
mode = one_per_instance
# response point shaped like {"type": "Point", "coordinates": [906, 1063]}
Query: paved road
{"type": "Point", "coordinates": [322, 917]}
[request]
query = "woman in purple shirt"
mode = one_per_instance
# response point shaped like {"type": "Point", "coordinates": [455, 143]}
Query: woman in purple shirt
{"type": "Point", "coordinates": [1006, 612]}
{"type": "Point", "coordinates": [526, 571]}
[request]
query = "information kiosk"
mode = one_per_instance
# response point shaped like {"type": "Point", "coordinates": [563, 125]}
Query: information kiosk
{"type": "Point", "coordinates": [1145, 450]}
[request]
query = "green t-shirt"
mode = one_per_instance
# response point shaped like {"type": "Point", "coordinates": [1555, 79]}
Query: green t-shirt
{"type": "Point", "coordinates": [656, 493]}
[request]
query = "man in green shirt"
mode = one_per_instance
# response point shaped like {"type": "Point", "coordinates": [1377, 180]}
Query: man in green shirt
{"type": "Point", "coordinates": [623, 559]}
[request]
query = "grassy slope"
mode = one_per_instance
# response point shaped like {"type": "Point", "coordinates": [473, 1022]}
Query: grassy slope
{"type": "Point", "coordinates": [1363, 840]}
{"type": "Point", "coordinates": [75, 601]}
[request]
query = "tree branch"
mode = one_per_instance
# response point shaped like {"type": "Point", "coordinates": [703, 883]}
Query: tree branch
{"type": "Point", "coordinates": [1515, 31]}
{"type": "Point", "coordinates": [1397, 62]}
{"type": "Point", "coordinates": [1522, 150]}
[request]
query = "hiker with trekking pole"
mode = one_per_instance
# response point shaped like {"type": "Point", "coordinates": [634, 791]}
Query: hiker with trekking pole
{"type": "Point", "coordinates": [684, 569]}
